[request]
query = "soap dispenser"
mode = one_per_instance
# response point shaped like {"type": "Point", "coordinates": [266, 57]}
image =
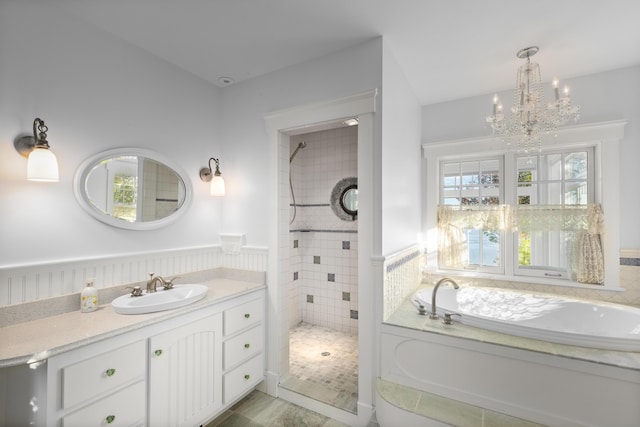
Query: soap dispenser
{"type": "Point", "coordinates": [89, 298]}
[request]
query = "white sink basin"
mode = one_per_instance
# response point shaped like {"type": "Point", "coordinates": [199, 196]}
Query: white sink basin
{"type": "Point", "coordinates": [178, 296]}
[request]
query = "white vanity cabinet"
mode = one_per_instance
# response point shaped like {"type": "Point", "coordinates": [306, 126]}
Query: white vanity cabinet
{"type": "Point", "coordinates": [243, 349]}
{"type": "Point", "coordinates": [182, 371]}
{"type": "Point", "coordinates": [98, 385]}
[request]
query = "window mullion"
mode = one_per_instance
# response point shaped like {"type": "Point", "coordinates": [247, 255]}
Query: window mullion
{"type": "Point", "coordinates": [510, 187]}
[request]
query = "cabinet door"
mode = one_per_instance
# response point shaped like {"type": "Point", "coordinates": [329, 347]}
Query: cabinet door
{"type": "Point", "coordinates": [184, 374]}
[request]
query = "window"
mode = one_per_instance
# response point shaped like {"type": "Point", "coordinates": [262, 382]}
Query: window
{"type": "Point", "coordinates": [559, 189]}
{"type": "Point", "coordinates": [470, 183]}
{"type": "Point", "coordinates": [551, 180]}
{"type": "Point", "coordinates": [544, 239]}
{"type": "Point", "coordinates": [125, 197]}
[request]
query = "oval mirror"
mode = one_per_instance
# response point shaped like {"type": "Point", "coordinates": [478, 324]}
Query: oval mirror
{"type": "Point", "coordinates": [132, 188]}
{"type": "Point", "coordinates": [344, 199]}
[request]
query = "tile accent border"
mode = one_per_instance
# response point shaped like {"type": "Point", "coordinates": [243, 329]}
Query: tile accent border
{"type": "Point", "coordinates": [401, 261]}
{"type": "Point", "coordinates": [401, 278]}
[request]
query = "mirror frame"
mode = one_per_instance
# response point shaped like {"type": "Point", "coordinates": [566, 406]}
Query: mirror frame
{"type": "Point", "coordinates": [337, 194]}
{"type": "Point", "coordinates": [353, 213]}
{"type": "Point", "coordinates": [87, 166]}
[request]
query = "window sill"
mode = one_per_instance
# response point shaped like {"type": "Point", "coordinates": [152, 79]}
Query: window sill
{"type": "Point", "coordinates": [528, 279]}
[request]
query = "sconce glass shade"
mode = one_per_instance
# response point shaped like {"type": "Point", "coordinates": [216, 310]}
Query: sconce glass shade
{"type": "Point", "coordinates": [217, 186]}
{"type": "Point", "coordinates": [42, 165]}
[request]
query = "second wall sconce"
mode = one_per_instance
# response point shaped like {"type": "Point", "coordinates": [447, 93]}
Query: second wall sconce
{"type": "Point", "coordinates": [208, 175]}
{"type": "Point", "coordinates": [42, 164]}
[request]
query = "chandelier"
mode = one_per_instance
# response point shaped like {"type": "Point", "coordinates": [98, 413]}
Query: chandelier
{"type": "Point", "coordinates": [530, 117]}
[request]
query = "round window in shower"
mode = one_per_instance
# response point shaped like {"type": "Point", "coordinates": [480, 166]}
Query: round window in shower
{"type": "Point", "coordinates": [344, 199]}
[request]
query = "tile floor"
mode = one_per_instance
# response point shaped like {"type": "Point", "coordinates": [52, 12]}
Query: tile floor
{"type": "Point", "coordinates": [324, 365]}
{"type": "Point", "coordinates": [261, 410]}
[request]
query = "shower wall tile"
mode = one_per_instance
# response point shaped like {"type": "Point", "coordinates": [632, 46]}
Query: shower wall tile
{"type": "Point", "coordinates": [328, 157]}
{"type": "Point", "coordinates": [294, 292]}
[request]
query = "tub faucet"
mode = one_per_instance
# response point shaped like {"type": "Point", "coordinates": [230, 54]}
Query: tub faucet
{"type": "Point", "coordinates": [151, 284]}
{"type": "Point", "coordinates": [433, 314]}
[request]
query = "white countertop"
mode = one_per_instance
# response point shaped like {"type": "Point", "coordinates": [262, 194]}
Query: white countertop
{"type": "Point", "coordinates": [39, 339]}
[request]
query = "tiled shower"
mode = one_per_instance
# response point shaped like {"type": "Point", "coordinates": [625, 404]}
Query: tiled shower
{"type": "Point", "coordinates": [322, 292]}
{"type": "Point", "coordinates": [323, 248]}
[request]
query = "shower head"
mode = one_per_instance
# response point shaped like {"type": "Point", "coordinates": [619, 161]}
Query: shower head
{"type": "Point", "coordinates": [301, 145]}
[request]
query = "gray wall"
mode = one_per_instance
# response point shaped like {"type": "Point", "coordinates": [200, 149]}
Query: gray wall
{"type": "Point", "coordinates": [94, 92]}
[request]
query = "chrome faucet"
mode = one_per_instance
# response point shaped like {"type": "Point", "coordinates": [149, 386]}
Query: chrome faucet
{"type": "Point", "coordinates": [433, 314]}
{"type": "Point", "coordinates": [151, 284]}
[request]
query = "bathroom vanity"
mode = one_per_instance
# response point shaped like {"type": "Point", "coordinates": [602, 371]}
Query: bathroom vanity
{"type": "Point", "coordinates": [178, 367]}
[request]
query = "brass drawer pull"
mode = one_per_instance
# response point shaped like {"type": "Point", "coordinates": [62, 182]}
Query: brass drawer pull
{"type": "Point", "coordinates": [110, 372]}
{"type": "Point", "coordinates": [158, 352]}
{"type": "Point", "coordinates": [110, 419]}
{"type": "Point", "coordinates": [247, 315]}
{"type": "Point", "coordinates": [247, 376]}
{"type": "Point", "coordinates": [247, 345]}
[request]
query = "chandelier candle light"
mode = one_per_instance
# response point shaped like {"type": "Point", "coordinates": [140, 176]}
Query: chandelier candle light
{"type": "Point", "coordinates": [530, 116]}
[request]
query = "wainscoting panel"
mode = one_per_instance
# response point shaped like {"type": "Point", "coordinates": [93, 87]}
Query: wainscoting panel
{"type": "Point", "coordinates": [24, 283]}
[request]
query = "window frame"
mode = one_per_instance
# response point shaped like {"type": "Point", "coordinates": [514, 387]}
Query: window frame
{"type": "Point", "coordinates": [500, 269]}
{"type": "Point", "coordinates": [603, 137]}
{"type": "Point", "coordinates": [592, 178]}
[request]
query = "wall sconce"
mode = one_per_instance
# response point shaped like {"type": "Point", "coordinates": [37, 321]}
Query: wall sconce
{"type": "Point", "coordinates": [42, 164]}
{"type": "Point", "coordinates": [217, 183]}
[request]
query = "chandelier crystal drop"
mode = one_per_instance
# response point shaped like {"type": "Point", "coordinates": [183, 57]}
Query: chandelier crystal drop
{"type": "Point", "coordinates": [530, 116]}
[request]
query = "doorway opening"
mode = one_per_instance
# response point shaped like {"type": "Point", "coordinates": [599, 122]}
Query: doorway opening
{"type": "Point", "coordinates": [283, 127]}
{"type": "Point", "coordinates": [323, 267]}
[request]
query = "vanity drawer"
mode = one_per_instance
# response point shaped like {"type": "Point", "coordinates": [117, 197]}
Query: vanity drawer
{"type": "Point", "coordinates": [243, 316]}
{"type": "Point", "coordinates": [243, 346]}
{"type": "Point", "coordinates": [102, 373]}
{"type": "Point", "coordinates": [243, 378]}
{"type": "Point", "coordinates": [124, 408]}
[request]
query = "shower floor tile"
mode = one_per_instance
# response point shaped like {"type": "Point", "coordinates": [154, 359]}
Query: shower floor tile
{"type": "Point", "coordinates": [323, 365]}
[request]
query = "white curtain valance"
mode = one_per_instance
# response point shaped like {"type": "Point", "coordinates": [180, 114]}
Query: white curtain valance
{"type": "Point", "coordinates": [524, 217]}
{"type": "Point", "coordinates": [584, 225]}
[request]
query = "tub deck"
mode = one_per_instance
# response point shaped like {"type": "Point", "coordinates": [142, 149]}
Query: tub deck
{"type": "Point", "coordinates": [546, 383]}
{"type": "Point", "coordinates": [406, 316]}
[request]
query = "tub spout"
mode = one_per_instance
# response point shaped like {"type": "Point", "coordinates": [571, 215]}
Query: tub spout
{"type": "Point", "coordinates": [433, 314]}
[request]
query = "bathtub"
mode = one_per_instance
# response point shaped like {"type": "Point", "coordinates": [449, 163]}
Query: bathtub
{"type": "Point", "coordinates": [543, 317]}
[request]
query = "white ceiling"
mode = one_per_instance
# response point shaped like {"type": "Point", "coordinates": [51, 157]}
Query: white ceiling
{"type": "Point", "coordinates": [448, 49]}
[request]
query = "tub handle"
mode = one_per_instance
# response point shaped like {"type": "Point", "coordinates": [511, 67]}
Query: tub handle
{"type": "Point", "coordinates": [447, 318]}
{"type": "Point", "coordinates": [421, 310]}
